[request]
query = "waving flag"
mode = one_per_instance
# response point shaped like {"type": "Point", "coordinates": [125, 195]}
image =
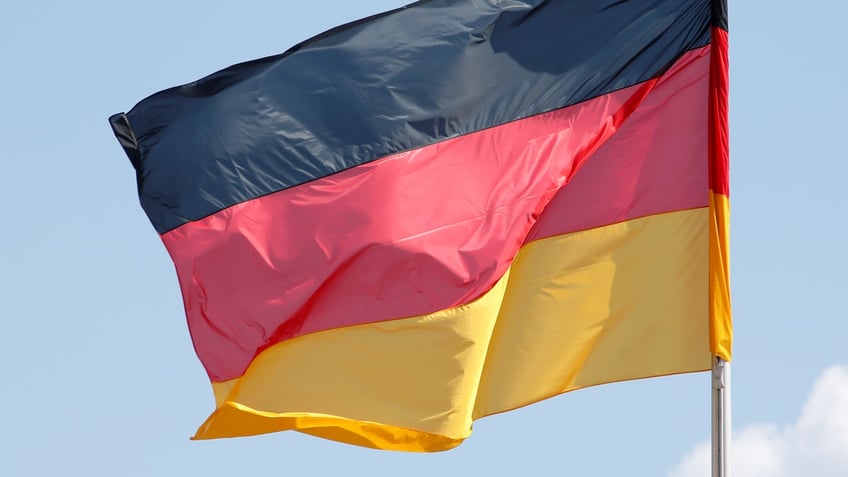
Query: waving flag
{"type": "Point", "coordinates": [447, 211]}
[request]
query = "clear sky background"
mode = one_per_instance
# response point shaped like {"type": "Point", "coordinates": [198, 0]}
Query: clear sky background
{"type": "Point", "coordinates": [99, 377]}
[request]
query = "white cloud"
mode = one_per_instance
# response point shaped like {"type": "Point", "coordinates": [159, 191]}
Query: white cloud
{"type": "Point", "coordinates": [816, 444]}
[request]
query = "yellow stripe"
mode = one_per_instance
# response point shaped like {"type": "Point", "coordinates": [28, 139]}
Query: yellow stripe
{"type": "Point", "coordinates": [619, 302]}
{"type": "Point", "coordinates": [614, 303]}
{"type": "Point", "coordinates": [419, 376]}
{"type": "Point", "coordinates": [721, 325]}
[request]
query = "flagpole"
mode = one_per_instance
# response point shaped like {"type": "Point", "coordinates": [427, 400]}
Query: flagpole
{"type": "Point", "coordinates": [721, 418]}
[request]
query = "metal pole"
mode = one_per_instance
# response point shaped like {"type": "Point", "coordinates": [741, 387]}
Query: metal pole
{"type": "Point", "coordinates": [721, 418]}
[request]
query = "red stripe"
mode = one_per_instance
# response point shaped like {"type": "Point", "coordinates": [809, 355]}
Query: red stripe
{"type": "Point", "coordinates": [406, 235]}
{"type": "Point", "coordinates": [719, 129]}
{"type": "Point", "coordinates": [656, 162]}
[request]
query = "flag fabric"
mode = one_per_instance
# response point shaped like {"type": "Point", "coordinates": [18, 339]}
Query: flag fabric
{"type": "Point", "coordinates": [447, 211]}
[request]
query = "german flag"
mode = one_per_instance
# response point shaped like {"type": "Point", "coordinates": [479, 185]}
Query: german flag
{"type": "Point", "coordinates": [447, 211]}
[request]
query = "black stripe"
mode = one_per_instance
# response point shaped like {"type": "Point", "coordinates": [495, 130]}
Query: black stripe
{"type": "Point", "coordinates": [126, 137]}
{"type": "Point", "coordinates": [409, 78]}
{"type": "Point", "coordinates": [720, 14]}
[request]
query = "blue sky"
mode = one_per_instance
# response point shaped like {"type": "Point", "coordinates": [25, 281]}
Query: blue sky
{"type": "Point", "coordinates": [99, 375]}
